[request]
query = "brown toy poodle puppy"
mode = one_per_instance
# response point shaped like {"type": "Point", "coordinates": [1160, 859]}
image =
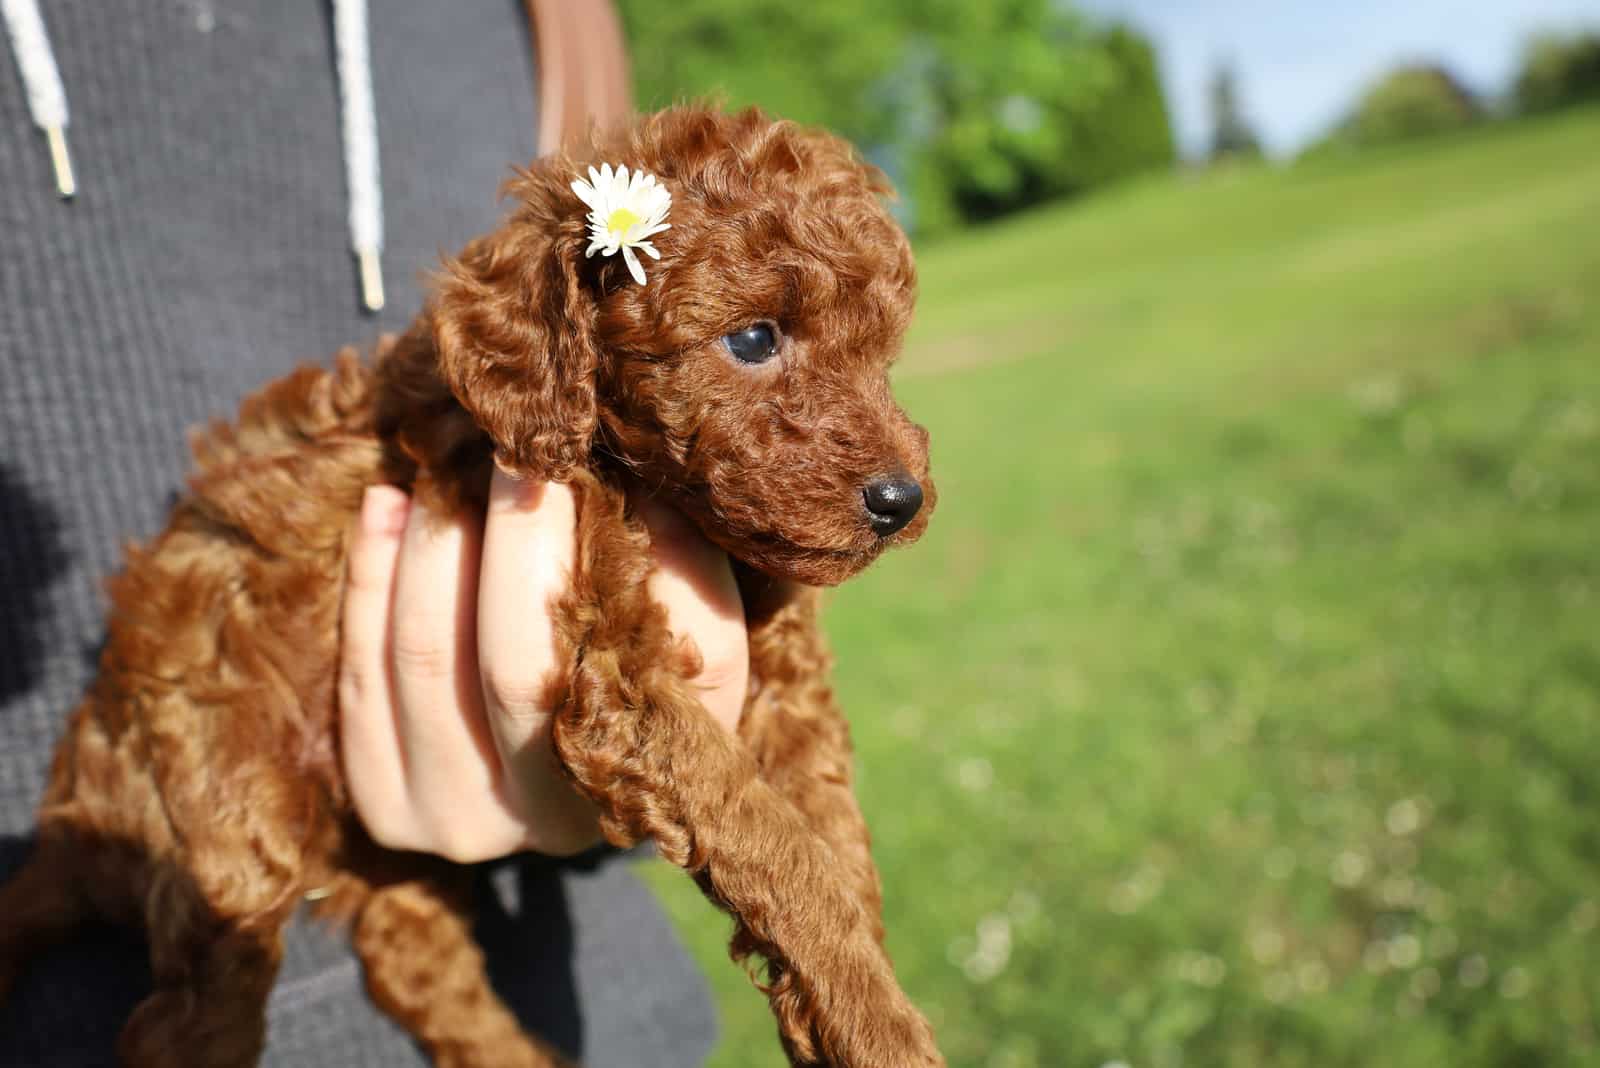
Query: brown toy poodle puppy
{"type": "Point", "coordinates": [198, 792]}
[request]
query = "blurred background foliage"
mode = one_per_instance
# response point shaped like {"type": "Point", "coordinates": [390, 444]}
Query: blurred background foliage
{"type": "Point", "coordinates": [975, 110]}
{"type": "Point", "coordinates": [1558, 71]}
{"type": "Point", "coordinates": [1411, 102]}
{"type": "Point", "coordinates": [1231, 135]}
{"type": "Point", "coordinates": [1241, 706]}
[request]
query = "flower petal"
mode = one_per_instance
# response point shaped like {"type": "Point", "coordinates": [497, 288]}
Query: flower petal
{"type": "Point", "coordinates": [634, 268]}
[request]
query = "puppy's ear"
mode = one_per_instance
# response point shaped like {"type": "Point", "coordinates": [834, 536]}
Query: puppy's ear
{"type": "Point", "coordinates": [513, 325]}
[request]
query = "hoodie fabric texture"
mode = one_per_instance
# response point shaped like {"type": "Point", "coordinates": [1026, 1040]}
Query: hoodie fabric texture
{"type": "Point", "coordinates": [207, 250]}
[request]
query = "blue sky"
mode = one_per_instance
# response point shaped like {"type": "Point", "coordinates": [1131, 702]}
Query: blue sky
{"type": "Point", "coordinates": [1301, 62]}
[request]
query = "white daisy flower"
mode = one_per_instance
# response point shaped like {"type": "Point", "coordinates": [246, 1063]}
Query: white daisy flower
{"type": "Point", "coordinates": [624, 212]}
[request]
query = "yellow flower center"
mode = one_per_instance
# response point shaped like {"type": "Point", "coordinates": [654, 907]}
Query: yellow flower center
{"type": "Point", "coordinates": [621, 219]}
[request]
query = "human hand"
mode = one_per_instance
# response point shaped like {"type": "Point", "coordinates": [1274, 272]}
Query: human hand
{"type": "Point", "coordinates": [446, 648]}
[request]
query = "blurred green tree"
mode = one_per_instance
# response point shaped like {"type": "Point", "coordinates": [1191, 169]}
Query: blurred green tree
{"type": "Point", "coordinates": [1131, 130]}
{"type": "Point", "coordinates": [812, 62]}
{"type": "Point", "coordinates": [1231, 135]}
{"type": "Point", "coordinates": [973, 109]}
{"type": "Point", "coordinates": [1556, 71]}
{"type": "Point", "coordinates": [1417, 100]}
{"type": "Point", "coordinates": [1413, 101]}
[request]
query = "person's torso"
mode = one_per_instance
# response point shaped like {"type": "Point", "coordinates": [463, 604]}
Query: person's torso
{"type": "Point", "coordinates": [206, 251]}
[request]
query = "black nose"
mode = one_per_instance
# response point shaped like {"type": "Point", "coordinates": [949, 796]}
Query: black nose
{"type": "Point", "coordinates": [892, 503]}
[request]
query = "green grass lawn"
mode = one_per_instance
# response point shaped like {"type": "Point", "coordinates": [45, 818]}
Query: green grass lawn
{"type": "Point", "coordinates": [1242, 704]}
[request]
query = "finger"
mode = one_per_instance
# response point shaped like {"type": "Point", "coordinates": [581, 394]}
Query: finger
{"type": "Point", "coordinates": [694, 582]}
{"type": "Point", "coordinates": [448, 750]}
{"type": "Point", "coordinates": [528, 550]}
{"type": "Point", "coordinates": [369, 739]}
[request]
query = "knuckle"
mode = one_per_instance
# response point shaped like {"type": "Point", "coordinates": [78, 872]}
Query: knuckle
{"type": "Point", "coordinates": [418, 654]}
{"type": "Point", "coordinates": [352, 689]}
{"type": "Point", "coordinates": [520, 693]}
{"type": "Point", "coordinates": [724, 669]}
{"type": "Point", "coordinates": [357, 656]}
{"type": "Point", "coordinates": [369, 571]}
{"type": "Point", "coordinates": [358, 686]}
{"type": "Point", "coordinates": [366, 572]}
{"type": "Point", "coordinates": [724, 684]}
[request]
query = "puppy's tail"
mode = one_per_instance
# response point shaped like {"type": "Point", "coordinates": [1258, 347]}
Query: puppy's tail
{"type": "Point", "coordinates": [39, 905]}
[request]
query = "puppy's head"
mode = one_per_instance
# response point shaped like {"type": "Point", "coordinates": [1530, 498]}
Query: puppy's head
{"type": "Point", "coordinates": [747, 380]}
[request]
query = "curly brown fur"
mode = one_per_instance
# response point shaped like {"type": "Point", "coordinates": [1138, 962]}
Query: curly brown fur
{"type": "Point", "coordinates": [197, 791]}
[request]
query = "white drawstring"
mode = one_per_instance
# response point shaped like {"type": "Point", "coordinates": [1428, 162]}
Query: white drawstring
{"type": "Point", "coordinates": [47, 104]}
{"type": "Point", "coordinates": [360, 123]}
{"type": "Point", "coordinates": [47, 100]}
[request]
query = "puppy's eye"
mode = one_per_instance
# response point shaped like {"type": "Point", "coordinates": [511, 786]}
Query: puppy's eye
{"type": "Point", "coordinates": [753, 344]}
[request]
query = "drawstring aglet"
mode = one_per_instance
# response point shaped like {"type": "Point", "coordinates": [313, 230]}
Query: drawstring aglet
{"type": "Point", "coordinates": [61, 160]}
{"type": "Point", "coordinates": [41, 83]}
{"type": "Point", "coordinates": [371, 278]}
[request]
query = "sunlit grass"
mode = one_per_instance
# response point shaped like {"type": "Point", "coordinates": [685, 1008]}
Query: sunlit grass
{"type": "Point", "coordinates": [1242, 705]}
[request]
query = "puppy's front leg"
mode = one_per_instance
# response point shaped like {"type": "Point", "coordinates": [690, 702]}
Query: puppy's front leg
{"type": "Point", "coordinates": [801, 741]}
{"type": "Point", "coordinates": [640, 744]}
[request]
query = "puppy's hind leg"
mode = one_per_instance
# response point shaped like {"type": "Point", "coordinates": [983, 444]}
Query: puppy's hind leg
{"type": "Point", "coordinates": [213, 968]}
{"type": "Point", "coordinates": [209, 1007]}
{"type": "Point", "coordinates": [425, 970]}
{"type": "Point", "coordinates": [215, 906]}
{"type": "Point", "coordinates": [41, 903]}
